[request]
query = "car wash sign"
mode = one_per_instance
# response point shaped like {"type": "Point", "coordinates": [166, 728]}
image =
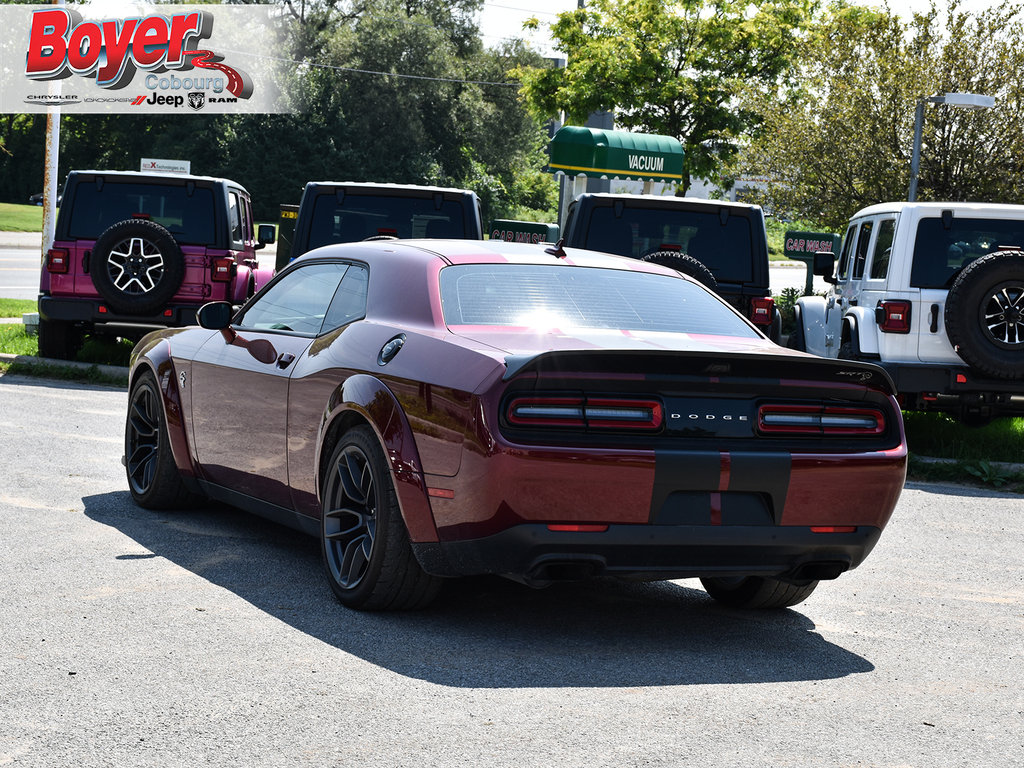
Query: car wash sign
{"type": "Point", "coordinates": [593, 152]}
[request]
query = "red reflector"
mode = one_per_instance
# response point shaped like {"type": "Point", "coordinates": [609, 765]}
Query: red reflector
{"type": "Point", "coordinates": [102, 310]}
{"type": "Point", "coordinates": [669, 247]}
{"type": "Point", "coordinates": [222, 269]}
{"type": "Point", "coordinates": [929, 398]}
{"type": "Point", "coordinates": [168, 312]}
{"type": "Point", "coordinates": [141, 216]}
{"type": "Point", "coordinates": [390, 231]}
{"type": "Point", "coordinates": [961, 379]}
{"type": "Point", "coordinates": [57, 261]}
{"type": "Point", "coordinates": [578, 528]}
{"type": "Point", "coordinates": [893, 316]}
{"type": "Point", "coordinates": [762, 310]}
{"type": "Point", "coordinates": [833, 528]}
{"type": "Point", "coordinates": [441, 493]}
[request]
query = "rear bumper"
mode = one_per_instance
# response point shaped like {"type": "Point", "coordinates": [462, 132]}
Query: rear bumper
{"type": "Point", "coordinates": [955, 387]}
{"type": "Point", "coordinates": [537, 555]}
{"type": "Point", "coordinates": [87, 312]}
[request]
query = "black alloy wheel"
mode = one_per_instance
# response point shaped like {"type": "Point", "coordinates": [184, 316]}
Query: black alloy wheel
{"type": "Point", "coordinates": [369, 562]}
{"type": "Point", "coordinates": [153, 477]}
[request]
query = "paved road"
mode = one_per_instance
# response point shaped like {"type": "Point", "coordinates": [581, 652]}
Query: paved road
{"type": "Point", "coordinates": [134, 638]}
{"type": "Point", "coordinates": [19, 265]}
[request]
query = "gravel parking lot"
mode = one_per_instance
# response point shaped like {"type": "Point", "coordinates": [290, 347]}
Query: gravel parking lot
{"type": "Point", "coordinates": [211, 638]}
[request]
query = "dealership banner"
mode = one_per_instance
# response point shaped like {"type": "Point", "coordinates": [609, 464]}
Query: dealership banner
{"type": "Point", "coordinates": [117, 56]}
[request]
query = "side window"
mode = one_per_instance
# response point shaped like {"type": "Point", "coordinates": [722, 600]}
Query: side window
{"type": "Point", "coordinates": [844, 259]}
{"type": "Point", "coordinates": [297, 302]}
{"type": "Point", "coordinates": [883, 249]}
{"type": "Point", "coordinates": [245, 208]}
{"type": "Point", "coordinates": [350, 301]}
{"type": "Point", "coordinates": [235, 217]}
{"type": "Point", "coordinates": [863, 241]}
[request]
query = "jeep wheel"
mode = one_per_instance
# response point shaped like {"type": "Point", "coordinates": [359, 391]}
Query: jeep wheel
{"type": "Point", "coordinates": [137, 266]}
{"type": "Point", "coordinates": [58, 339]}
{"type": "Point", "coordinates": [985, 314]}
{"type": "Point", "coordinates": [681, 262]}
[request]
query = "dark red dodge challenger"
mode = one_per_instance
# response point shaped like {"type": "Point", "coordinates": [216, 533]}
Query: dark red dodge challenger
{"type": "Point", "coordinates": [432, 409]}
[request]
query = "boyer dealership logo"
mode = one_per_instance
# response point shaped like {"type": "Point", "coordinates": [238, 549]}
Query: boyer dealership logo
{"type": "Point", "coordinates": [61, 44]}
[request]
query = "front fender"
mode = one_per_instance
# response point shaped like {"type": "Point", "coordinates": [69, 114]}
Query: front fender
{"type": "Point", "coordinates": [154, 355]}
{"type": "Point", "coordinates": [812, 318]}
{"type": "Point", "coordinates": [364, 398]}
{"type": "Point", "coordinates": [859, 323]}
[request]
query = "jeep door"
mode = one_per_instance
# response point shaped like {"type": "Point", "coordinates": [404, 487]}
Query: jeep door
{"type": "Point", "coordinates": [838, 298]}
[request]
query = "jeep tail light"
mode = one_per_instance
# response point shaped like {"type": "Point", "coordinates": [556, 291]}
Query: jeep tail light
{"type": "Point", "coordinates": [893, 316]}
{"type": "Point", "coordinates": [223, 270]}
{"type": "Point", "coordinates": [57, 261]}
{"type": "Point", "coordinates": [819, 420]}
{"type": "Point", "coordinates": [761, 310]}
{"type": "Point", "coordinates": [597, 413]}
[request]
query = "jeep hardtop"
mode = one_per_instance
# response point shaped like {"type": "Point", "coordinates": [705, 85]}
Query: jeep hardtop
{"type": "Point", "coordinates": [137, 251]}
{"type": "Point", "coordinates": [934, 293]}
{"type": "Point", "coordinates": [720, 243]}
{"type": "Point", "coordinates": [347, 211]}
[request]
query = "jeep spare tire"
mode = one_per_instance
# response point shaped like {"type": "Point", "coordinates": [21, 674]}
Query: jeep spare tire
{"type": "Point", "coordinates": [136, 266]}
{"type": "Point", "coordinates": [684, 263]}
{"type": "Point", "coordinates": [985, 314]}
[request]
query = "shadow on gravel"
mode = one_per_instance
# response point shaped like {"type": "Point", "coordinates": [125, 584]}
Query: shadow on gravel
{"type": "Point", "coordinates": [489, 632]}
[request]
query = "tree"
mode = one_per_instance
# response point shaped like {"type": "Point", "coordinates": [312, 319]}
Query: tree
{"type": "Point", "coordinates": [672, 68]}
{"type": "Point", "coordinates": [844, 139]}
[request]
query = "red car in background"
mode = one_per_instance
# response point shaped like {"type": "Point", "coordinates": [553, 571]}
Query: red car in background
{"type": "Point", "coordinates": [432, 409]}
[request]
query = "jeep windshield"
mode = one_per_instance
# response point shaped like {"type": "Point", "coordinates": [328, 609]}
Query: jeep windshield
{"type": "Point", "coordinates": [940, 253]}
{"type": "Point", "coordinates": [189, 217]}
{"type": "Point", "coordinates": [357, 217]}
{"type": "Point", "coordinates": [727, 249]}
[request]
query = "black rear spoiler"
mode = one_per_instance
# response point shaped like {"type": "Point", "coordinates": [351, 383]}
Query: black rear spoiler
{"type": "Point", "coordinates": [703, 365]}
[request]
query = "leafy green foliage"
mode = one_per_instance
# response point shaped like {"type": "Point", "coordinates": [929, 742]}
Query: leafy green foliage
{"type": "Point", "coordinates": [843, 138]}
{"type": "Point", "coordinates": [16, 307]}
{"type": "Point", "coordinates": [937, 435]}
{"type": "Point", "coordinates": [674, 69]}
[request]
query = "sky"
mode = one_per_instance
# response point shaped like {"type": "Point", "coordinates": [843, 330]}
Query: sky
{"type": "Point", "coordinates": [501, 19]}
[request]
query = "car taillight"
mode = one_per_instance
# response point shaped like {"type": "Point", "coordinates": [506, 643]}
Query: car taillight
{"type": "Point", "coordinates": [761, 310]}
{"type": "Point", "coordinates": [819, 420]}
{"type": "Point", "coordinates": [893, 316]}
{"type": "Point", "coordinates": [57, 261]}
{"type": "Point", "coordinates": [598, 413]}
{"type": "Point", "coordinates": [223, 270]}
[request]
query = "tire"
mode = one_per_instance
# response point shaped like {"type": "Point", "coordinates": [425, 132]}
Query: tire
{"type": "Point", "coordinates": [688, 265]}
{"type": "Point", "coordinates": [756, 591]}
{"type": "Point", "coordinates": [367, 557]}
{"type": "Point", "coordinates": [985, 314]}
{"type": "Point", "coordinates": [137, 266]}
{"type": "Point", "coordinates": [59, 339]}
{"type": "Point", "coordinates": [847, 352]}
{"type": "Point", "coordinates": [153, 478]}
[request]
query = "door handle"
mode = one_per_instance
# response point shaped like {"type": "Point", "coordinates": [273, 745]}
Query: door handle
{"type": "Point", "coordinates": [284, 360]}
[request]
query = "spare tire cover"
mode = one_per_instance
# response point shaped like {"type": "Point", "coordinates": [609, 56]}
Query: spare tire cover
{"type": "Point", "coordinates": [137, 266]}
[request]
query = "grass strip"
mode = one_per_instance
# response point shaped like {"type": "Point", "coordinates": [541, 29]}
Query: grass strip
{"type": "Point", "coordinates": [16, 307]}
{"type": "Point", "coordinates": [21, 218]}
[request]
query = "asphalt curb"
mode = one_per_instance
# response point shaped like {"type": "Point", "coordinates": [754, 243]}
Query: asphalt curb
{"type": "Point", "coordinates": [114, 371]}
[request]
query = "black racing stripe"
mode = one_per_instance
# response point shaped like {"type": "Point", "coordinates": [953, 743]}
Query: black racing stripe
{"type": "Point", "coordinates": [676, 471]}
{"type": "Point", "coordinates": [762, 473]}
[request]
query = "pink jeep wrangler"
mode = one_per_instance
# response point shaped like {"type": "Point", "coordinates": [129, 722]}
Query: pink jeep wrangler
{"type": "Point", "coordinates": [137, 251]}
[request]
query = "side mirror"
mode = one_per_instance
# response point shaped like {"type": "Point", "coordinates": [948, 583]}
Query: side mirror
{"type": "Point", "coordinates": [824, 265]}
{"type": "Point", "coordinates": [215, 316]}
{"type": "Point", "coordinates": [265, 235]}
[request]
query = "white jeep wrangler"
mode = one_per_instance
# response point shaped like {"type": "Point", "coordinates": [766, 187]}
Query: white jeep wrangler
{"type": "Point", "coordinates": [934, 293]}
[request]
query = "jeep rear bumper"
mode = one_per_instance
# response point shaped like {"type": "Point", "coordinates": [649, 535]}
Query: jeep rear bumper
{"type": "Point", "coordinates": [956, 388]}
{"type": "Point", "coordinates": [96, 315]}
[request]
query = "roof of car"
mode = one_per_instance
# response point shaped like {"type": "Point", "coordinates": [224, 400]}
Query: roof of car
{"type": "Point", "coordinates": [157, 175]}
{"type": "Point", "coordinates": [670, 199]}
{"type": "Point", "coordinates": [1016, 211]}
{"type": "Point", "coordinates": [388, 186]}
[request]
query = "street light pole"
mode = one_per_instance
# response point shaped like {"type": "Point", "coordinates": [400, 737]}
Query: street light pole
{"type": "Point", "coordinates": [968, 100]}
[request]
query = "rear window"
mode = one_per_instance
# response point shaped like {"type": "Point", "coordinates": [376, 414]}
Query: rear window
{"type": "Point", "coordinates": [727, 249]}
{"type": "Point", "coordinates": [526, 295]}
{"type": "Point", "coordinates": [189, 217]}
{"type": "Point", "coordinates": [940, 253]}
{"type": "Point", "coordinates": [358, 217]}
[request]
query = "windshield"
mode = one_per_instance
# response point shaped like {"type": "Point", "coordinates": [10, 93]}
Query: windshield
{"type": "Point", "coordinates": [358, 217]}
{"type": "Point", "coordinates": [190, 218]}
{"type": "Point", "coordinates": [727, 249]}
{"type": "Point", "coordinates": [540, 296]}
